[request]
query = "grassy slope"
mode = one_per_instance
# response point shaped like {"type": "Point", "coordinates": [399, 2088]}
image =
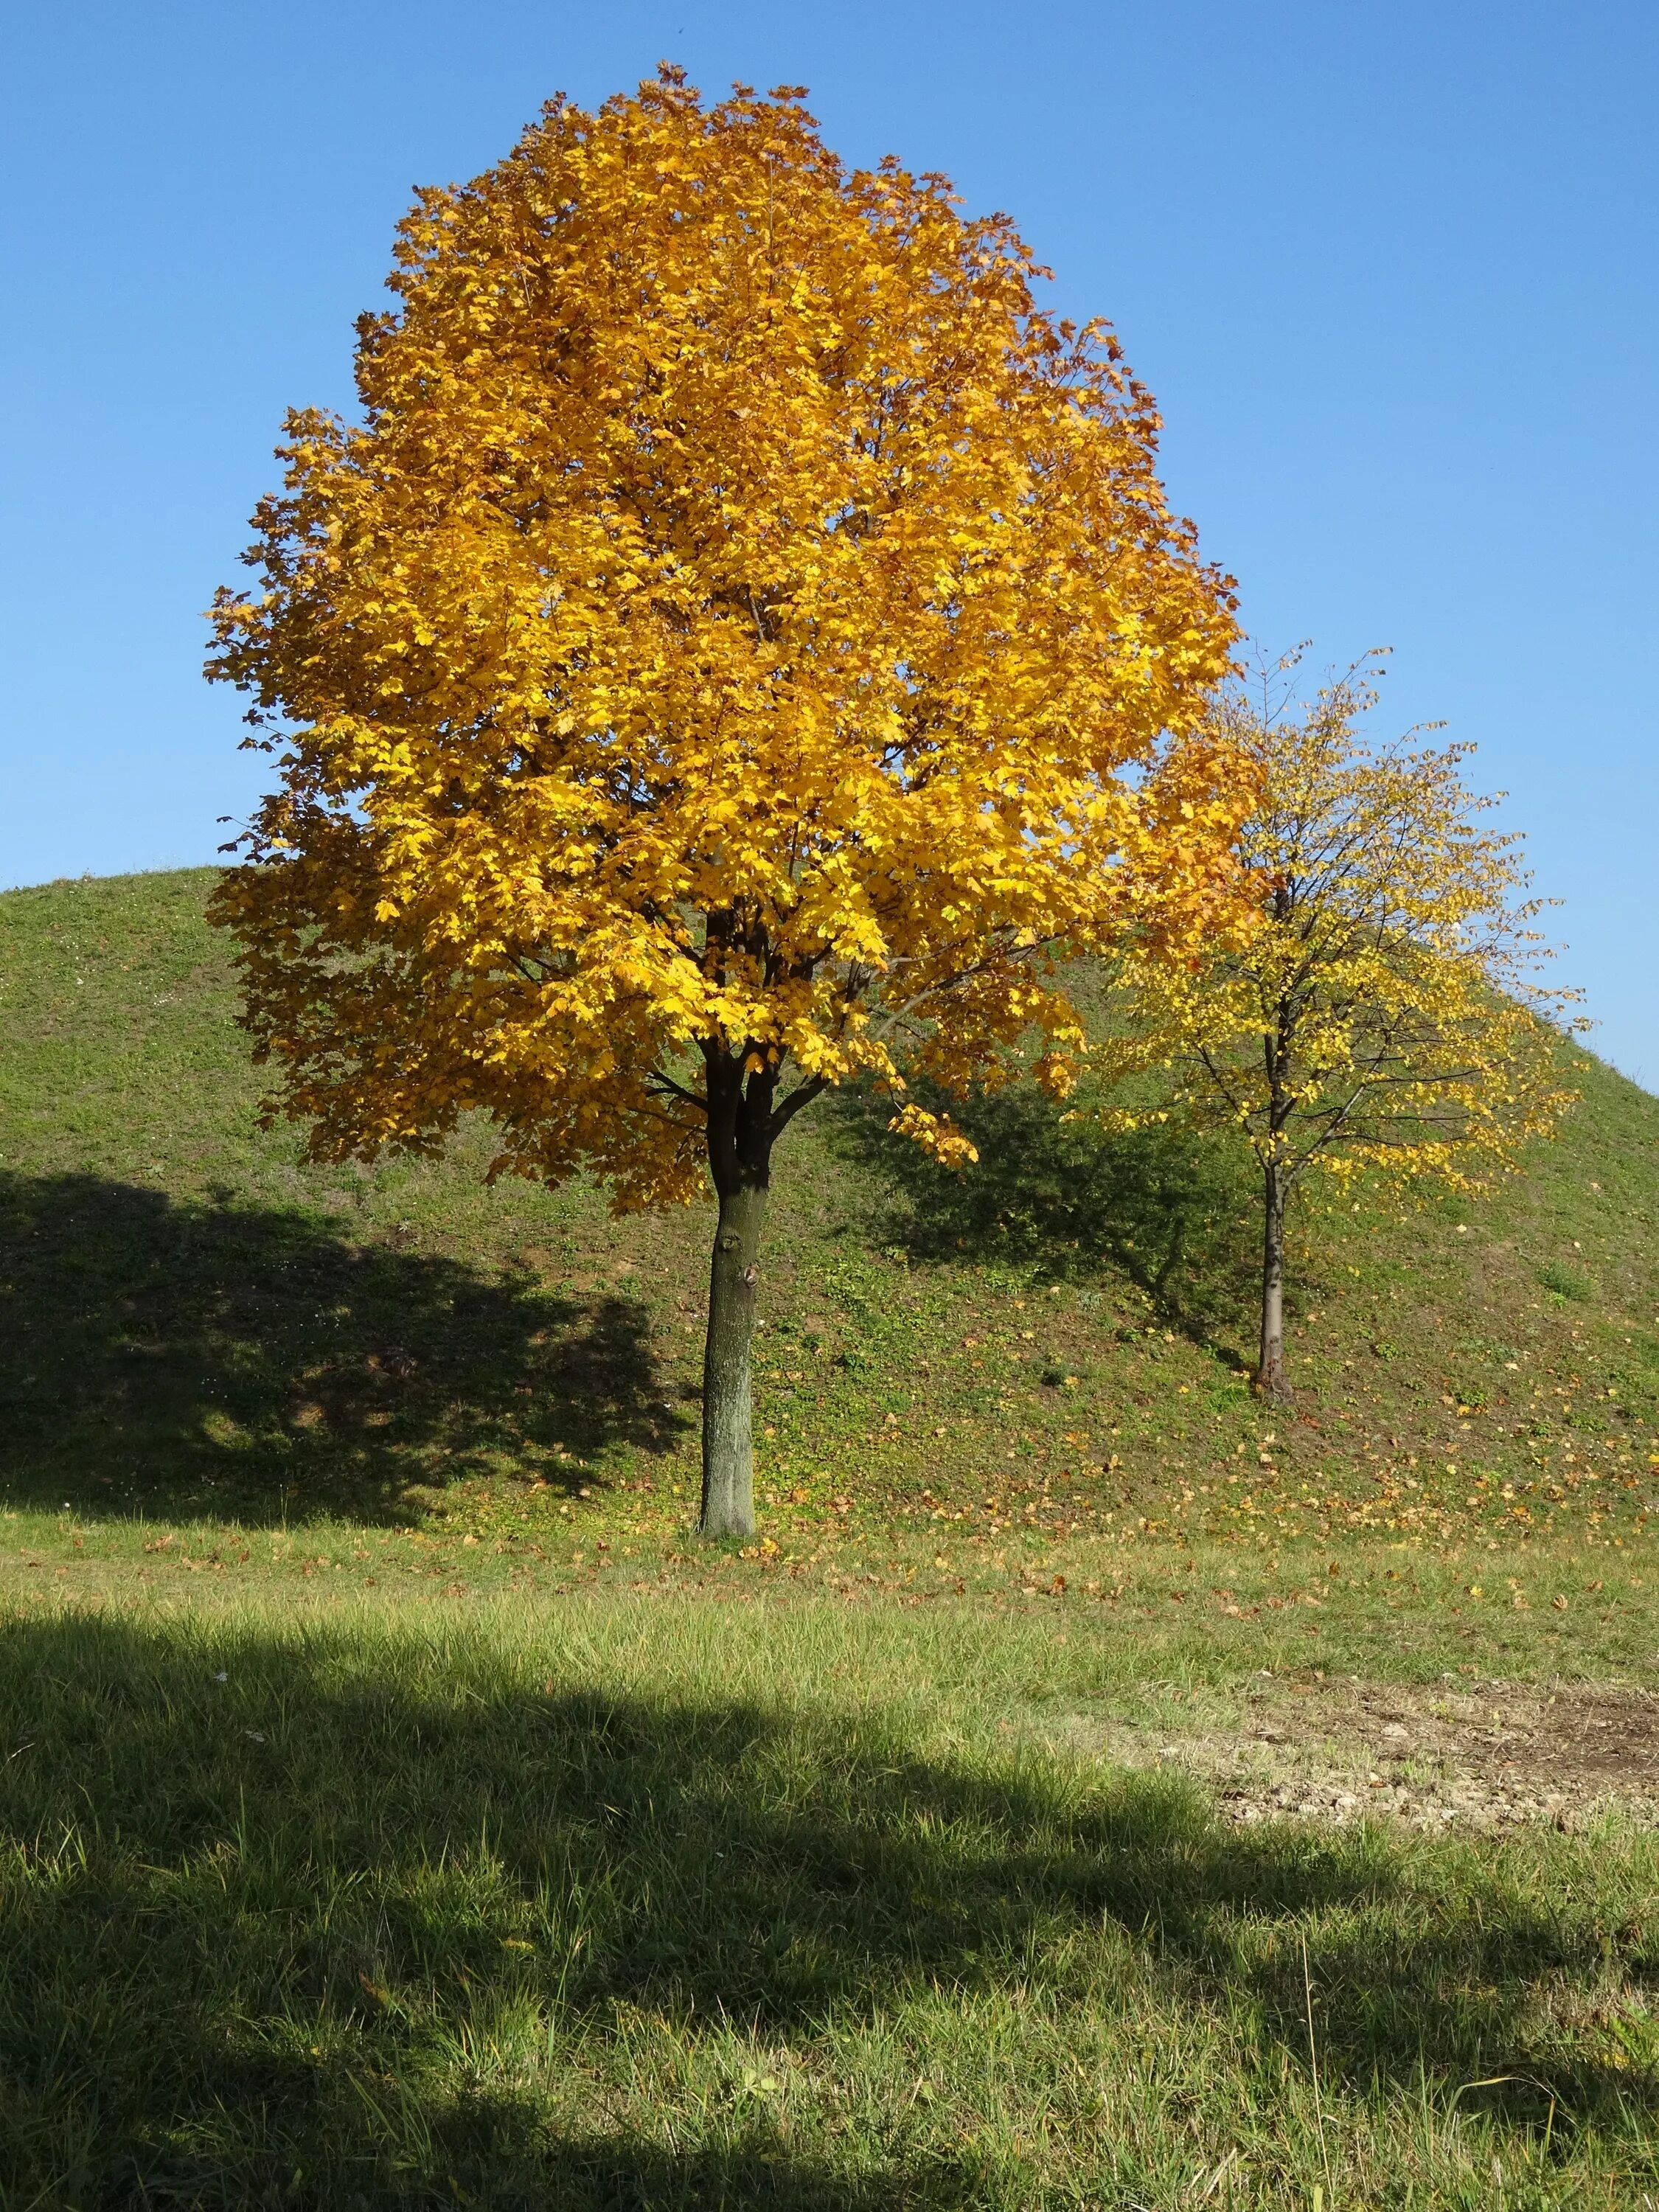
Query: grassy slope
{"type": "Point", "coordinates": [421, 1903]}
{"type": "Point", "coordinates": [1022, 1371]}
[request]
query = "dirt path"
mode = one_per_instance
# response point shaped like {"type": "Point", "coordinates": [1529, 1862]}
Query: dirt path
{"type": "Point", "coordinates": [1480, 1755]}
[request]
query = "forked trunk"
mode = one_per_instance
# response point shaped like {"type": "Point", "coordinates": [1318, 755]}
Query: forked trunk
{"type": "Point", "coordinates": [728, 1467]}
{"type": "Point", "coordinates": [1270, 1381]}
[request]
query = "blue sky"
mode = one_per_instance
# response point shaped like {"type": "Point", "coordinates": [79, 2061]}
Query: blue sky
{"type": "Point", "coordinates": [1391, 268]}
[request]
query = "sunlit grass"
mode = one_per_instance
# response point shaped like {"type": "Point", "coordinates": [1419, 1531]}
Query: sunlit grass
{"type": "Point", "coordinates": [600, 1903]}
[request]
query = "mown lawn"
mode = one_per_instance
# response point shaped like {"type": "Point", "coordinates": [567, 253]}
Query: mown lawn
{"type": "Point", "coordinates": [613, 1903]}
{"type": "Point", "coordinates": [398, 1806]}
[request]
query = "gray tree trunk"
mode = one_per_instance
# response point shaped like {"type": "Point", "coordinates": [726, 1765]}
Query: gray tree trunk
{"type": "Point", "coordinates": [1270, 1381]}
{"type": "Point", "coordinates": [728, 1466]}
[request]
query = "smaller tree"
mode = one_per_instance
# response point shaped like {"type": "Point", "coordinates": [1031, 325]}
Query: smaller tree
{"type": "Point", "coordinates": [1379, 1012]}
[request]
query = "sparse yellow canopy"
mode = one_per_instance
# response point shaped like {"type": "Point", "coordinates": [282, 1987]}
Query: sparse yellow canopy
{"type": "Point", "coordinates": [716, 650]}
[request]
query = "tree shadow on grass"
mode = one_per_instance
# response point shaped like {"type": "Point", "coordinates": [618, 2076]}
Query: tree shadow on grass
{"type": "Point", "coordinates": [292, 1919]}
{"type": "Point", "coordinates": [252, 1364]}
{"type": "Point", "coordinates": [1167, 1206]}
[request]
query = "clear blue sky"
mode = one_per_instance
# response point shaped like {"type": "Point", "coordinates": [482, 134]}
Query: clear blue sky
{"type": "Point", "coordinates": [1390, 266]}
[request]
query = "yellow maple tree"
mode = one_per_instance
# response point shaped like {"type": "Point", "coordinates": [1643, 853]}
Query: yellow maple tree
{"type": "Point", "coordinates": [1379, 1010]}
{"type": "Point", "coordinates": [742, 637]}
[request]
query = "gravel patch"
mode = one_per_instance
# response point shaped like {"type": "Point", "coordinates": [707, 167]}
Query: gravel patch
{"type": "Point", "coordinates": [1484, 1755]}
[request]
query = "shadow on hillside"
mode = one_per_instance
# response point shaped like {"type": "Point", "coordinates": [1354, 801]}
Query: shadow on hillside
{"type": "Point", "coordinates": [1171, 1209]}
{"type": "Point", "coordinates": [253, 1364]}
{"type": "Point", "coordinates": [350, 1925]}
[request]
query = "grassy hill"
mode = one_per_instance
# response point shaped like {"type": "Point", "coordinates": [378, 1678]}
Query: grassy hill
{"type": "Point", "coordinates": [399, 1807]}
{"type": "Point", "coordinates": [1050, 1348]}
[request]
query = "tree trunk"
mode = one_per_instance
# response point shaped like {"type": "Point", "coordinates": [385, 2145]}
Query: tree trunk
{"type": "Point", "coordinates": [1270, 1381]}
{"type": "Point", "coordinates": [728, 1467]}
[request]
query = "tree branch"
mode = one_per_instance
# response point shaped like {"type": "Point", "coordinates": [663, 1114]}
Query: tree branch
{"type": "Point", "coordinates": [667, 1084]}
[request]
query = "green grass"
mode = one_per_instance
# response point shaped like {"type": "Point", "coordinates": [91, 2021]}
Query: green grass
{"type": "Point", "coordinates": [531, 1853]}
{"type": "Point", "coordinates": [201, 1326]}
{"type": "Point", "coordinates": [601, 1905]}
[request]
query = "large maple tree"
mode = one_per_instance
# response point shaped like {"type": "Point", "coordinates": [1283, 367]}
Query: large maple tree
{"type": "Point", "coordinates": [740, 646]}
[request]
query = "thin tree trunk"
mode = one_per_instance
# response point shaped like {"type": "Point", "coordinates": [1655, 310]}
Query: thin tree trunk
{"type": "Point", "coordinates": [728, 1467]}
{"type": "Point", "coordinates": [1270, 1381]}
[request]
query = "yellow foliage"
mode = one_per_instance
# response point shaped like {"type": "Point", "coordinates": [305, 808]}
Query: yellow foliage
{"type": "Point", "coordinates": [1379, 1012]}
{"type": "Point", "coordinates": [717, 650]}
{"type": "Point", "coordinates": [937, 1134]}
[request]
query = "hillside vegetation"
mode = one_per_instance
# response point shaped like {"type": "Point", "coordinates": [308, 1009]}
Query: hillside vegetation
{"type": "Point", "coordinates": [1050, 1346]}
{"type": "Point", "coordinates": [1087, 1791]}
